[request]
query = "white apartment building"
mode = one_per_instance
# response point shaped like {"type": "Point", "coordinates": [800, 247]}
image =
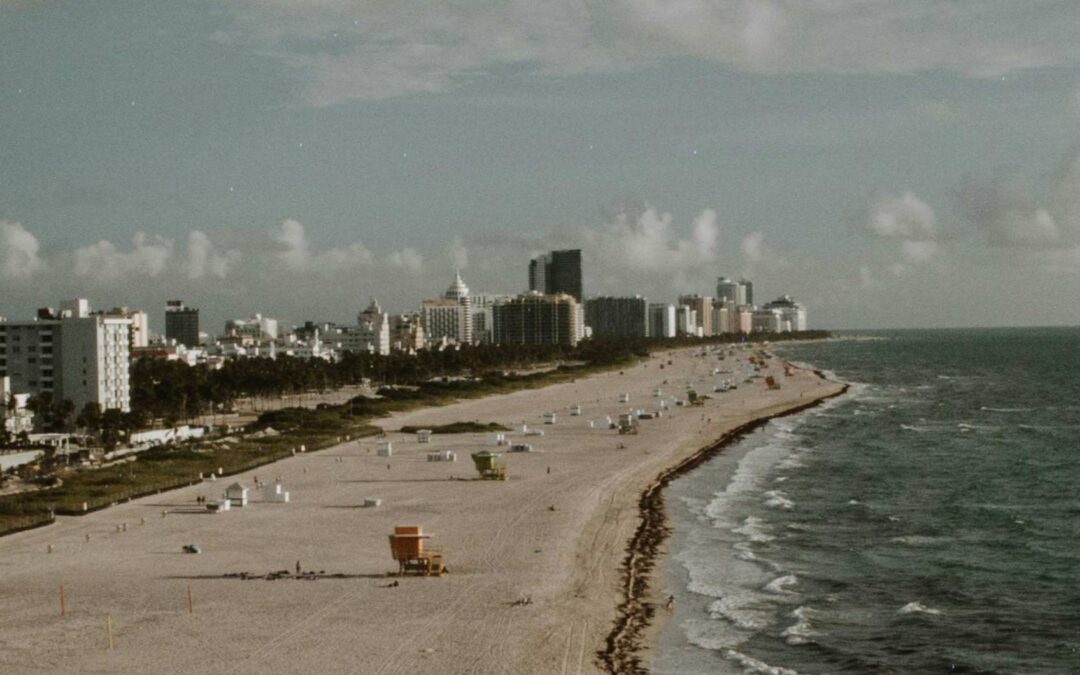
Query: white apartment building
{"type": "Point", "coordinates": [792, 314]}
{"type": "Point", "coordinates": [661, 320]}
{"type": "Point", "coordinates": [76, 356]}
{"type": "Point", "coordinates": [768, 321]}
{"type": "Point", "coordinates": [449, 317]}
{"type": "Point", "coordinates": [686, 321]}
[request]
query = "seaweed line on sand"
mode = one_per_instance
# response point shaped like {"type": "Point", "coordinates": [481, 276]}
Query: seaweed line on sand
{"type": "Point", "coordinates": [622, 648]}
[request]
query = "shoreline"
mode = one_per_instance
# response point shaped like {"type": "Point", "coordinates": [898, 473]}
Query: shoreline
{"type": "Point", "coordinates": [556, 532]}
{"type": "Point", "coordinates": [635, 631]}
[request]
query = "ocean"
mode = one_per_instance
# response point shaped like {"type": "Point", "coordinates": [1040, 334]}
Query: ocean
{"type": "Point", "coordinates": [928, 521]}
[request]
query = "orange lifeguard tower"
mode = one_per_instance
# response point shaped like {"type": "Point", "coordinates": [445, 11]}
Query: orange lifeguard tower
{"type": "Point", "coordinates": [407, 548]}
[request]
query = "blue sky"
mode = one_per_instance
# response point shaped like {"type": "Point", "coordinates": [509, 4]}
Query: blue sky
{"type": "Point", "coordinates": [888, 164]}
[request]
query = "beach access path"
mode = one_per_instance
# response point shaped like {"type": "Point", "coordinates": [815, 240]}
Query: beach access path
{"type": "Point", "coordinates": [556, 533]}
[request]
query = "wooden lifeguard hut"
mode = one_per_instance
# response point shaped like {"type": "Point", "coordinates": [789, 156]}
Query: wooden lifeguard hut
{"type": "Point", "coordinates": [489, 465]}
{"type": "Point", "coordinates": [407, 548]}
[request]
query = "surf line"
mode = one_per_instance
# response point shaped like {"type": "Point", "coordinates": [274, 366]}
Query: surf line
{"type": "Point", "coordinates": [622, 647]}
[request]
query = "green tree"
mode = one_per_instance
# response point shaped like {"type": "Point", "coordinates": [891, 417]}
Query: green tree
{"type": "Point", "coordinates": [90, 418]}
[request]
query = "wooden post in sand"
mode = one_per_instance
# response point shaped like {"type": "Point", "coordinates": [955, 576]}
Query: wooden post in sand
{"type": "Point", "coordinates": [62, 607]}
{"type": "Point", "coordinates": [108, 629]}
{"type": "Point", "coordinates": [190, 601]}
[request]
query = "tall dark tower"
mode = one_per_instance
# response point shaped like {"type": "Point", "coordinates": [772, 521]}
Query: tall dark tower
{"type": "Point", "coordinates": [557, 272]}
{"type": "Point", "coordinates": [564, 275]}
{"type": "Point", "coordinates": [182, 323]}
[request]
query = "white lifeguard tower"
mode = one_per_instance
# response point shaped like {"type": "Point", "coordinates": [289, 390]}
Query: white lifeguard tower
{"type": "Point", "coordinates": [237, 495]}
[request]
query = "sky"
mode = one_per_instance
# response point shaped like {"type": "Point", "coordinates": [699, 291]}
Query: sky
{"type": "Point", "coordinates": [887, 164]}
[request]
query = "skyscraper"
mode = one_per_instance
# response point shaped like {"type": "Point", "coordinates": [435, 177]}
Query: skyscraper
{"type": "Point", "coordinates": [182, 323]}
{"type": "Point", "coordinates": [617, 317]}
{"type": "Point", "coordinates": [730, 291]}
{"type": "Point", "coordinates": [557, 272]}
{"type": "Point", "coordinates": [536, 319]}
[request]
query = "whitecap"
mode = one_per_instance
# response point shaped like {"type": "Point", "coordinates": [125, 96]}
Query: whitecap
{"type": "Point", "coordinates": [853, 502]}
{"type": "Point", "coordinates": [917, 608]}
{"type": "Point", "coordinates": [911, 427]}
{"type": "Point", "coordinates": [751, 665]}
{"type": "Point", "coordinates": [752, 528]}
{"type": "Point", "coordinates": [735, 611]}
{"type": "Point", "coordinates": [779, 585]}
{"type": "Point", "coordinates": [1005, 410]}
{"type": "Point", "coordinates": [778, 500]}
{"type": "Point", "coordinates": [802, 630]}
{"type": "Point", "coordinates": [920, 540]}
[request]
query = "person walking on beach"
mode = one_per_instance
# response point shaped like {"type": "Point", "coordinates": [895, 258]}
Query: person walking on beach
{"type": "Point", "coordinates": [670, 604]}
{"type": "Point", "coordinates": [298, 568]}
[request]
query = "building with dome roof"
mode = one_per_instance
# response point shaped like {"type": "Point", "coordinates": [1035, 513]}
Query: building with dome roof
{"type": "Point", "coordinates": [449, 318]}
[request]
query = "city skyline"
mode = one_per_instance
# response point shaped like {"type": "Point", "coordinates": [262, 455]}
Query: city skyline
{"type": "Point", "coordinates": [903, 167]}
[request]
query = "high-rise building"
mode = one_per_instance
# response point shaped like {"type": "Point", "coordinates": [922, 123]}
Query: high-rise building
{"type": "Point", "coordinates": [76, 356]}
{"type": "Point", "coordinates": [617, 317]}
{"type": "Point", "coordinates": [744, 319]}
{"type": "Point", "coordinates": [732, 291]}
{"type": "Point", "coordinates": [557, 272]}
{"type": "Point", "coordinates": [481, 306]}
{"type": "Point", "coordinates": [686, 321]}
{"type": "Point", "coordinates": [537, 319]}
{"type": "Point", "coordinates": [703, 310]}
{"type": "Point", "coordinates": [140, 326]}
{"type": "Point", "coordinates": [182, 323]}
{"type": "Point", "coordinates": [748, 291]}
{"type": "Point", "coordinates": [792, 314]}
{"type": "Point", "coordinates": [723, 317]}
{"type": "Point", "coordinates": [538, 273]}
{"type": "Point", "coordinates": [767, 321]}
{"type": "Point", "coordinates": [662, 320]}
{"type": "Point", "coordinates": [449, 317]}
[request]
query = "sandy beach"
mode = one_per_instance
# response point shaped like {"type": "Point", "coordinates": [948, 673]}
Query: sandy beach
{"type": "Point", "coordinates": [556, 532]}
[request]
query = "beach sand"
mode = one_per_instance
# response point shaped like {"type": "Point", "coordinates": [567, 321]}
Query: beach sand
{"type": "Point", "coordinates": [558, 538]}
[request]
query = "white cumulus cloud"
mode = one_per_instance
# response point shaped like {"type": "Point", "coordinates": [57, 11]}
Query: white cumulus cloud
{"type": "Point", "coordinates": [205, 259]}
{"type": "Point", "coordinates": [103, 261]}
{"type": "Point", "coordinates": [903, 216]}
{"type": "Point", "coordinates": [19, 252]}
{"type": "Point", "coordinates": [295, 252]}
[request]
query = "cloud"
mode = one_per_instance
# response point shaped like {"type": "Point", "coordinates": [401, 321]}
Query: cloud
{"type": "Point", "coordinates": [459, 253]}
{"type": "Point", "coordinates": [753, 247]}
{"type": "Point", "coordinates": [204, 259]}
{"type": "Point", "coordinates": [19, 257]}
{"type": "Point", "coordinates": [919, 252]}
{"type": "Point", "coordinates": [1006, 211]}
{"type": "Point", "coordinates": [295, 253]}
{"type": "Point", "coordinates": [351, 50]}
{"type": "Point", "coordinates": [408, 259]}
{"type": "Point", "coordinates": [103, 261]}
{"type": "Point", "coordinates": [642, 239]}
{"type": "Point", "coordinates": [902, 216]}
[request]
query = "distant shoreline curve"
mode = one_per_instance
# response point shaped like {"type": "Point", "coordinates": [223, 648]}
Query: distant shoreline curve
{"type": "Point", "coordinates": [623, 645]}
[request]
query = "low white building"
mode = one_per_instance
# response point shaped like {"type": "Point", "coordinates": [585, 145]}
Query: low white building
{"type": "Point", "coordinates": [14, 414]}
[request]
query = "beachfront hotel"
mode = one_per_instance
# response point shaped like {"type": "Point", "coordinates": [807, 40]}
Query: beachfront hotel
{"type": "Point", "coordinates": [72, 355]}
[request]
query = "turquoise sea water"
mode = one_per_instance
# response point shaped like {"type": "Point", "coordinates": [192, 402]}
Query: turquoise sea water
{"type": "Point", "coordinates": [926, 522]}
